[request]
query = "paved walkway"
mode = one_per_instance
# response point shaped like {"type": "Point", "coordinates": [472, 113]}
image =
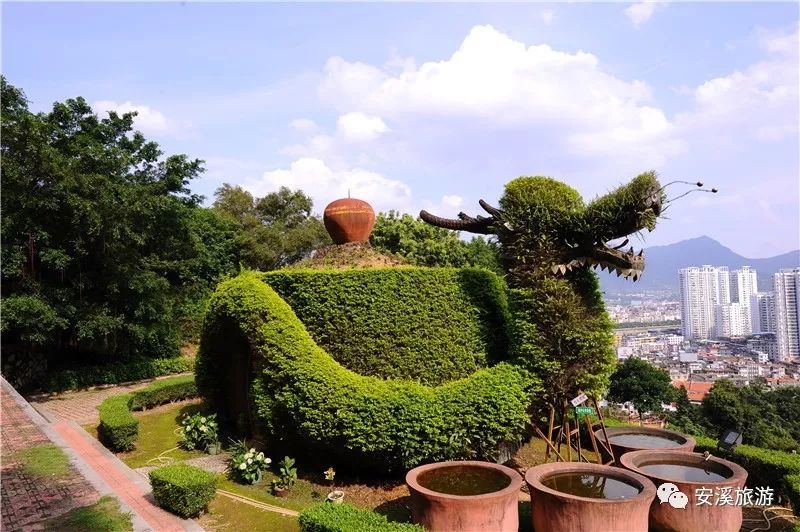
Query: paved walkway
{"type": "Point", "coordinates": [28, 500]}
{"type": "Point", "coordinates": [81, 406]}
{"type": "Point", "coordinates": [95, 471]}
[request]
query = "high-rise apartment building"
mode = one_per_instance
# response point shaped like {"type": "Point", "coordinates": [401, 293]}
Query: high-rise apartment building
{"type": "Point", "coordinates": [702, 289]}
{"type": "Point", "coordinates": [762, 312]}
{"type": "Point", "coordinates": [786, 284]}
{"type": "Point", "coordinates": [731, 320]}
{"type": "Point", "coordinates": [744, 284]}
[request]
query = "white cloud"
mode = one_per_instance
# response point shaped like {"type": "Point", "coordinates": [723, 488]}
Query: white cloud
{"type": "Point", "coordinates": [452, 201]}
{"type": "Point", "coordinates": [325, 184]}
{"type": "Point", "coordinates": [303, 125]}
{"type": "Point", "coordinates": [360, 127]}
{"type": "Point", "coordinates": [148, 120]}
{"type": "Point", "coordinates": [547, 15]}
{"type": "Point", "coordinates": [641, 12]}
{"type": "Point", "coordinates": [496, 80]}
{"type": "Point", "coordinates": [760, 101]}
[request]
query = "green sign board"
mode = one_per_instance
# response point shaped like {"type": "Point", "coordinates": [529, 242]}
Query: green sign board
{"type": "Point", "coordinates": [584, 410]}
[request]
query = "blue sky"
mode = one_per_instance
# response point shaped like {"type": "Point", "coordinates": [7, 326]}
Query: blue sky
{"type": "Point", "coordinates": [434, 106]}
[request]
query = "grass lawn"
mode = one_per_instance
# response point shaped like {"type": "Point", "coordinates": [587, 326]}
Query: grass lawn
{"type": "Point", "coordinates": [43, 461]}
{"type": "Point", "coordinates": [158, 435]}
{"type": "Point", "coordinates": [102, 516]}
{"type": "Point", "coordinates": [225, 513]}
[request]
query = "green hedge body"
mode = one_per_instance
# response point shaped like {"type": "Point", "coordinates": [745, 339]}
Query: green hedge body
{"type": "Point", "coordinates": [119, 429]}
{"type": "Point", "coordinates": [135, 370]}
{"type": "Point", "coordinates": [298, 391]}
{"type": "Point", "coordinates": [431, 325]}
{"type": "Point", "coordinates": [183, 489]}
{"type": "Point", "coordinates": [345, 518]}
{"type": "Point", "coordinates": [164, 391]}
{"type": "Point", "coordinates": [765, 467]}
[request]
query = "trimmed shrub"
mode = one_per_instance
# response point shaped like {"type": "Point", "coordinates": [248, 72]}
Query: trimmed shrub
{"type": "Point", "coordinates": [118, 428]}
{"type": "Point", "coordinates": [346, 518]}
{"type": "Point", "coordinates": [765, 467]}
{"type": "Point", "coordinates": [299, 391]}
{"type": "Point", "coordinates": [183, 489]}
{"type": "Point", "coordinates": [132, 370]}
{"type": "Point", "coordinates": [164, 391]}
{"type": "Point", "coordinates": [428, 324]}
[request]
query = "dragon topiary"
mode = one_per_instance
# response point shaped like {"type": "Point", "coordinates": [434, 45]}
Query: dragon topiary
{"type": "Point", "coordinates": [549, 240]}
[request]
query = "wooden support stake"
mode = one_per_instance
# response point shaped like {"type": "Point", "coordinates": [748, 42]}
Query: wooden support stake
{"type": "Point", "coordinates": [578, 435]}
{"type": "Point", "coordinates": [590, 428]}
{"type": "Point", "coordinates": [605, 432]}
{"type": "Point", "coordinates": [567, 431]}
{"type": "Point", "coordinates": [550, 432]}
{"type": "Point", "coordinates": [549, 443]}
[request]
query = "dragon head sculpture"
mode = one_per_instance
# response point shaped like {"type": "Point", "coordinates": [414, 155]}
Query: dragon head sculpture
{"type": "Point", "coordinates": [545, 228]}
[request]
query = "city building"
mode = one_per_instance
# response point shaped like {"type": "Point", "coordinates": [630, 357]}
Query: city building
{"type": "Point", "coordinates": [787, 313]}
{"type": "Point", "coordinates": [701, 290]}
{"type": "Point", "coordinates": [731, 320]}
{"type": "Point", "coordinates": [744, 285]}
{"type": "Point", "coordinates": [764, 343]}
{"type": "Point", "coordinates": [762, 312]}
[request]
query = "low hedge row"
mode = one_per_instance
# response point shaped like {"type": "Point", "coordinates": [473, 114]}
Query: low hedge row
{"type": "Point", "coordinates": [183, 489]}
{"type": "Point", "coordinates": [119, 429]}
{"type": "Point", "coordinates": [433, 325]}
{"type": "Point", "coordinates": [765, 467]}
{"type": "Point", "coordinates": [132, 370]}
{"type": "Point", "coordinates": [300, 392]}
{"type": "Point", "coordinates": [345, 518]}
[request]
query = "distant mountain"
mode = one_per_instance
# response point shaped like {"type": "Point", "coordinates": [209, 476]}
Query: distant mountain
{"type": "Point", "coordinates": [663, 262]}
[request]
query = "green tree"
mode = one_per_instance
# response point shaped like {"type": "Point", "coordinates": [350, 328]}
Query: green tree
{"type": "Point", "coordinates": [100, 234]}
{"type": "Point", "coordinates": [425, 245]}
{"type": "Point", "coordinates": [641, 383]}
{"type": "Point", "coordinates": [749, 409]}
{"type": "Point", "coordinates": [273, 231]}
{"type": "Point", "coordinates": [687, 417]}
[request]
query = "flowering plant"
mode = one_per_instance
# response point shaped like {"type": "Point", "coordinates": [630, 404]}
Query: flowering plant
{"type": "Point", "coordinates": [247, 464]}
{"type": "Point", "coordinates": [198, 431]}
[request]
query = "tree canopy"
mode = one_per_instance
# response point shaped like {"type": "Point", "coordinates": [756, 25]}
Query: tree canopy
{"type": "Point", "coordinates": [102, 241]}
{"type": "Point", "coordinates": [273, 231]}
{"type": "Point", "coordinates": [425, 245]}
{"type": "Point", "coordinates": [641, 383]}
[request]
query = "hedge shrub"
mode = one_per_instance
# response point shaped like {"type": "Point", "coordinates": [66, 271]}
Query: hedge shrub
{"type": "Point", "coordinates": [164, 391]}
{"type": "Point", "coordinates": [298, 391]}
{"type": "Point", "coordinates": [345, 518]}
{"type": "Point", "coordinates": [119, 429]}
{"type": "Point", "coordinates": [432, 325]}
{"type": "Point", "coordinates": [133, 370]}
{"type": "Point", "coordinates": [183, 489]}
{"type": "Point", "coordinates": [765, 467]}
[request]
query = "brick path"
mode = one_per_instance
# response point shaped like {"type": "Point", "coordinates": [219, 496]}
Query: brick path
{"type": "Point", "coordinates": [80, 406]}
{"type": "Point", "coordinates": [94, 470]}
{"type": "Point", "coordinates": [27, 500]}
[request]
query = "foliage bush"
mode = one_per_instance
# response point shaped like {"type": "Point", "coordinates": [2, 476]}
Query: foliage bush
{"type": "Point", "coordinates": [247, 465]}
{"type": "Point", "coordinates": [765, 467]}
{"type": "Point", "coordinates": [125, 371]}
{"type": "Point", "coordinates": [183, 489]}
{"type": "Point", "coordinates": [199, 431]}
{"type": "Point", "coordinates": [119, 429]}
{"type": "Point", "coordinates": [299, 392]}
{"type": "Point", "coordinates": [431, 325]}
{"type": "Point", "coordinates": [346, 518]}
{"type": "Point", "coordinates": [287, 474]}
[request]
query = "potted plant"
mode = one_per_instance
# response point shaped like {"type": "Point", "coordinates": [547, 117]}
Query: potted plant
{"type": "Point", "coordinates": [287, 476]}
{"type": "Point", "coordinates": [200, 431]}
{"type": "Point", "coordinates": [213, 447]}
{"type": "Point", "coordinates": [247, 464]}
{"type": "Point", "coordinates": [335, 496]}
